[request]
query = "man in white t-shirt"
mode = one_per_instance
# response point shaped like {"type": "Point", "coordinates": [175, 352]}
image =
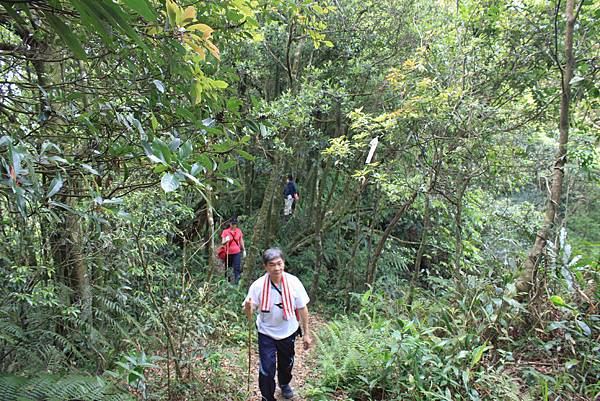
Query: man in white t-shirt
{"type": "Point", "coordinates": [280, 299]}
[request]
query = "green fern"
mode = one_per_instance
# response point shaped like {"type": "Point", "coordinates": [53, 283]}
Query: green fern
{"type": "Point", "coordinates": [59, 388]}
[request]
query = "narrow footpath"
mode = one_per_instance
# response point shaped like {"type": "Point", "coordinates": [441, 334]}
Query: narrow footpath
{"type": "Point", "coordinates": [304, 365]}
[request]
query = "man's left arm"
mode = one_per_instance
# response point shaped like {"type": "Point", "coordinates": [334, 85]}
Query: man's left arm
{"type": "Point", "coordinates": [304, 317]}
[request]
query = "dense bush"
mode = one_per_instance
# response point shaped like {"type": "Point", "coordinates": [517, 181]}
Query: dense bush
{"type": "Point", "coordinates": [386, 356]}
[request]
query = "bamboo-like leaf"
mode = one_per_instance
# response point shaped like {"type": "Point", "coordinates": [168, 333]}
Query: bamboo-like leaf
{"type": "Point", "coordinates": [142, 8]}
{"type": "Point", "coordinates": [92, 19]}
{"type": "Point", "coordinates": [66, 35]}
{"type": "Point", "coordinates": [55, 186]}
{"type": "Point", "coordinates": [478, 354]}
{"type": "Point", "coordinates": [113, 13]}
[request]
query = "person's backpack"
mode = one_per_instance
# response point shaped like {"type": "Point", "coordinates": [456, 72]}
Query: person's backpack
{"type": "Point", "coordinates": [222, 253]}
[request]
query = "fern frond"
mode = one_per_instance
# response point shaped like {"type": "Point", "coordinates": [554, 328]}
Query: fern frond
{"type": "Point", "coordinates": [60, 388]}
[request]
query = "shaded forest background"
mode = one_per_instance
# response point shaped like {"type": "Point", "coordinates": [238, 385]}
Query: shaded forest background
{"type": "Point", "coordinates": [461, 263]}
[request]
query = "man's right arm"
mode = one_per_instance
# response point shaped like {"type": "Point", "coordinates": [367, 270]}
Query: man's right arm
{"type": "Point", "coordinates": [250, 304]}
{"type": "Point", "coordinates": [249, 308]}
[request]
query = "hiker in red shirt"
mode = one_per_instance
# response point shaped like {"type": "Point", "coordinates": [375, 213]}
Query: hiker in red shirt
{"type": "Point", "coordinates": [233, 240]}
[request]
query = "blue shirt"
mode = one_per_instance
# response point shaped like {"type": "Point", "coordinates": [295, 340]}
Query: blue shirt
{"type": "Point", "coordinates": [290, 189]}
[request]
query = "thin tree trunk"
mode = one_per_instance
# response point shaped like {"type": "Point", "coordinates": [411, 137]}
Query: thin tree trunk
{"type": "Point", "coordinates": [372, 268]}
{"type": "Point", "coordinates": [351, 265]}
{"type": "Point", "coordinates": [525, 281]}
{"type": "Point", "coordinates": [253, 249]}
{"type": "Point", "coordinates": [79, 271]}
{"type": "Point", "coordinates": [421, 250]}
{"type": "Point", "coordinates": [210, 243]}
{"type": "Point", "coordinates": [458, 252]}
{"type": "Point", "coordinates": [318, 240]}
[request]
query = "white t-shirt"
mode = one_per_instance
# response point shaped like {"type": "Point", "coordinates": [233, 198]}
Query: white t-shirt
{"type": "Point", "coordinates": [272, 323]}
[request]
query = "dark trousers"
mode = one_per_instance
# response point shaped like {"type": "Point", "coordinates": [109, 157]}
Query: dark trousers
{"type": "Point", "coordinates": [234, 260]}
{"type": "Point", "coordinates": [275, 355]}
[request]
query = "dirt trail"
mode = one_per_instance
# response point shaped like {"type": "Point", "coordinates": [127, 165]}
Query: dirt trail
{"type": "Point", "coordinates": [304, 365]}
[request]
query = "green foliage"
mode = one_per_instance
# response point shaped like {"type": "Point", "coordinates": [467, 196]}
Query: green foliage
{"type": "Point", "coordinates": [379, 356]}
{"type": "Point", "coordinates": [130, 129]}
{"type": "Point", "coordinates": [60, 387]}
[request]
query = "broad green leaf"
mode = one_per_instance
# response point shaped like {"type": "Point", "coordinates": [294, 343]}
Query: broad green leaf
{"type": "Point", "coordinates": [192, 178]}
{"type": "Point", "coordinates": [222, 147]}
{"type": "Point", "coordinates": [188, 15]}
{"type": "Point", "coordinates": [245, 154]}
{"type": "Point", "coordinates": [174, 144]}
{"type": "Point", "coordinates": [558, 301]}
{"type": "Point", "coordinates": [196, 168]}
{"type": "Point", "coordinates": [169, 182]}
{"type": "Point", "coordinates": [142, 8]}
{"type": "Point", "coordinates": [161, 150]}
{"type": "Point", "coordinates": [4, 140]}
{"type": "Point", "coordinates": [575, 79]}
{"type": "Point", "coordinates": [90, 169]}
{"type": "Point", "coordinates": [55, 186]}
{"type": "Point", "coordinates": [161, 168]}
{"type": "Point", "coordinates": [154, 122]}
{"type": "Point", "coordinates": [205, 29]}
{"type": "Point", "coordinates": [173, 11]}
{"type": "Point", "coordinates": [478, 354]}
{"type": "Point", "coordinates": [219, 84]}
{"type": "Point", "coordinates": [66, 35]}
{"type": "Point", "coordinates": [159, 85]}
{"type": "Point", "coordinates": [570, 363]}
{"type": "Point", "coordinates": [185, 150]}
{"type": "Point", "coordinates": [58, 159]}
{"type": "Point", "coordinates": [586, 329]}
{"type": "Point", "coordinates": [205, 162]}
{"type": "Point", "coordinates": [227, 165]}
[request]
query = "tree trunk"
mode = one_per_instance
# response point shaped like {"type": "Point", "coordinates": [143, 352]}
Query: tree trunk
{"type": "Point", "coordinates": [458, 243]}
{"type": "Point", "coordinates": [68, 258]}
{"type": "Point", "coordinates": [210, 243]}
{"type": "Point", "coordinates": [372, 268]}
{"type": "Point", "coordinates": [253, 250]}
{"type": "Point", "coordinates": [318, 240]}
{"type": "Point", "coordinates": [525, 281]}
{"type": "Point", "coordinates": [421, 250]}
{"type": "Point", "coordinates": [79, 271]}
{"type": "Point", "coordinates": [351, 265]}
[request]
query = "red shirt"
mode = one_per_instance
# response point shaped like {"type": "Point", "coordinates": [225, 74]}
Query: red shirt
{"type": "Point", "coordinates": [233, 246]}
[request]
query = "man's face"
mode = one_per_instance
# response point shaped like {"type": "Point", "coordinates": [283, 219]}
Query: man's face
{"type": "Point", "coordinates": [275, 267]}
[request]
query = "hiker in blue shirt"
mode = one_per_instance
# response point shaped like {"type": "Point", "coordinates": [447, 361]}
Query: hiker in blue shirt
{"type": "Point", "coordinates": [290, 194]}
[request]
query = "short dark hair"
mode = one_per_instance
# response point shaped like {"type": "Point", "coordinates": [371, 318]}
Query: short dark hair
{"type": "Point", "coordinates": [271, 254]}
{"type": "Point", "coordinates": [233, 220]}
{"type": "Point", "coordinates": [290, 177]}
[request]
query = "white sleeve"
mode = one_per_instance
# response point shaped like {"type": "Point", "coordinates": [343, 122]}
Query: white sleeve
{"type": "Point", "coordinates": [301, 298]}
{"type": "Point", "coordinates": [253, 294]}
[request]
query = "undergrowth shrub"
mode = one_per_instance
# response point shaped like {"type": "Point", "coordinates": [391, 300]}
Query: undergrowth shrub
{"type": "Point", "coordinates": [59, 388]}
{"type": "Point", "coordinates": [376, 355]}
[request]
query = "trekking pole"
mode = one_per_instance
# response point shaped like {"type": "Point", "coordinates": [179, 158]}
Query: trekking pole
{"type": "Point", "coordinates": [249, 352]}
